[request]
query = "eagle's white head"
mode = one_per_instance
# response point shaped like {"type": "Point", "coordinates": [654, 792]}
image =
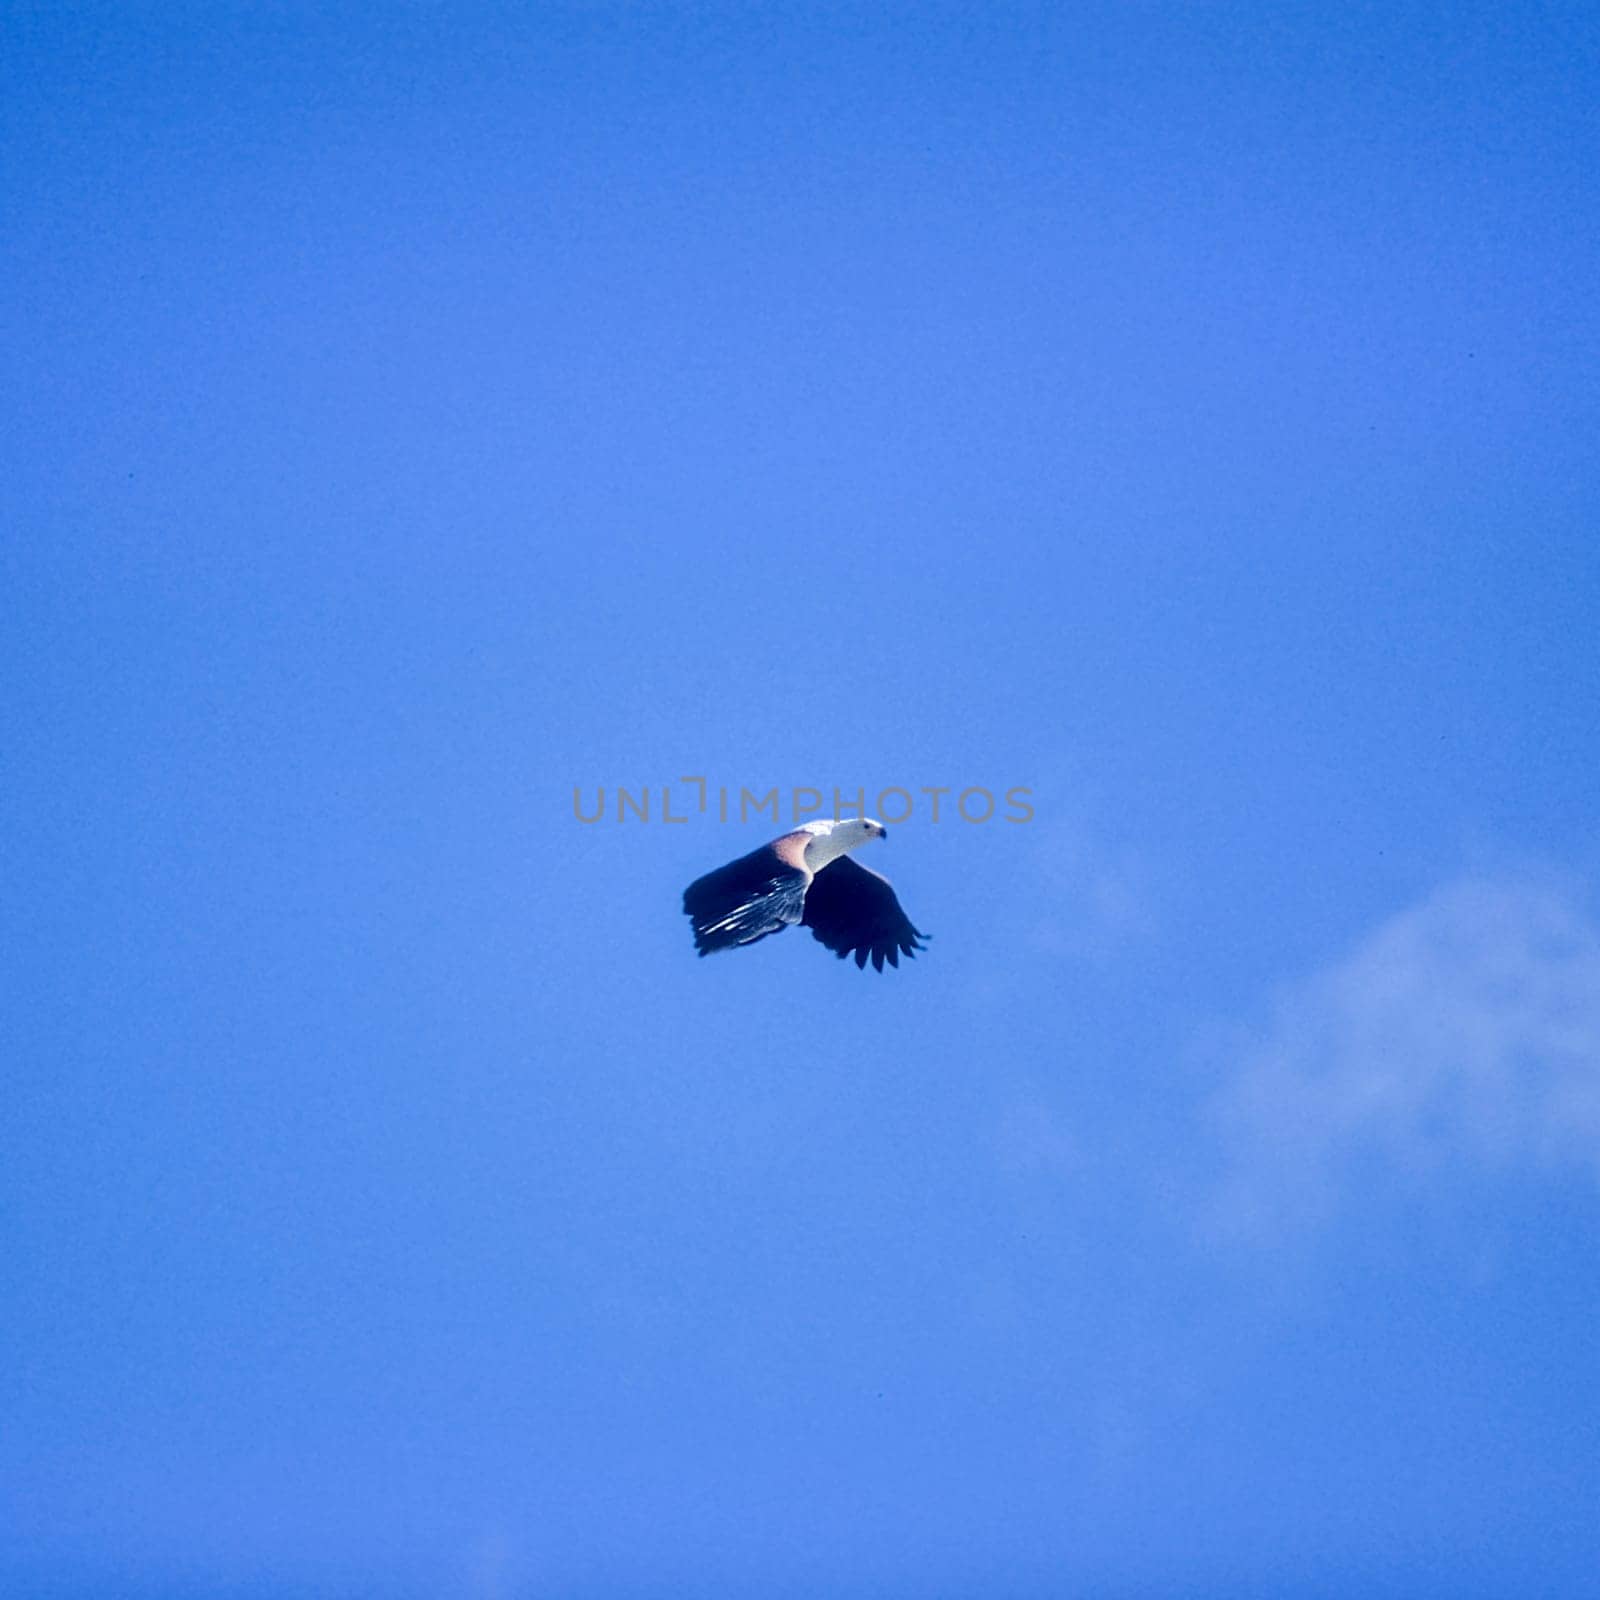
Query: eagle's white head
{"type": "Point", "coordinates": [831, 838]}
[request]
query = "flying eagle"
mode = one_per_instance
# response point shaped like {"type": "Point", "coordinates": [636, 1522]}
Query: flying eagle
{"type": "Point", "coordinates": [808, 877]}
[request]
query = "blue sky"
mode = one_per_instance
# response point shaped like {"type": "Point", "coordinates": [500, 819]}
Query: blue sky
{"type": "Point", "coordinates": [1187, 413]}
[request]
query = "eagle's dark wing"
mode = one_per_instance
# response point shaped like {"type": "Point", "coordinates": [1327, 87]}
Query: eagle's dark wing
{"type": "Point", "coordinates": [758, 894]}
{"type": "Point", "coordinates": [849, 907]}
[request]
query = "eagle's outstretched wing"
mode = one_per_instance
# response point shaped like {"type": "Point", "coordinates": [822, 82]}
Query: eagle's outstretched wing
{"type": "Point", "coordinates": [849, 907]}
{"type": "Point", "coordinates": [758, 894]}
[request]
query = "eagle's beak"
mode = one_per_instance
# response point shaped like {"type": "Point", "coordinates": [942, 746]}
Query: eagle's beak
{"type": "Point", "coordinates": [883, 832]}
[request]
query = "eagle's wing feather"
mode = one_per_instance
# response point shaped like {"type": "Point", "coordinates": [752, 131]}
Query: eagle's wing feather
{"type": "Point", "coordinates": [851, 908]}
{"type": "Point", "coordinates": [758, 894]}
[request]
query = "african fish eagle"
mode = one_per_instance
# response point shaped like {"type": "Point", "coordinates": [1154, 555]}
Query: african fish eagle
{"type": "Point", "coordinates": [807, 877]}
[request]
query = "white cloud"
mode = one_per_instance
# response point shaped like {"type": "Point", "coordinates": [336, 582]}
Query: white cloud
{"type": "Point", "coordinates": [1463, 1033]}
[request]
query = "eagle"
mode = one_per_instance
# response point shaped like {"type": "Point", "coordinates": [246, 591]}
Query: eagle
{"type": "Point", "coordinates": [807, 877]}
